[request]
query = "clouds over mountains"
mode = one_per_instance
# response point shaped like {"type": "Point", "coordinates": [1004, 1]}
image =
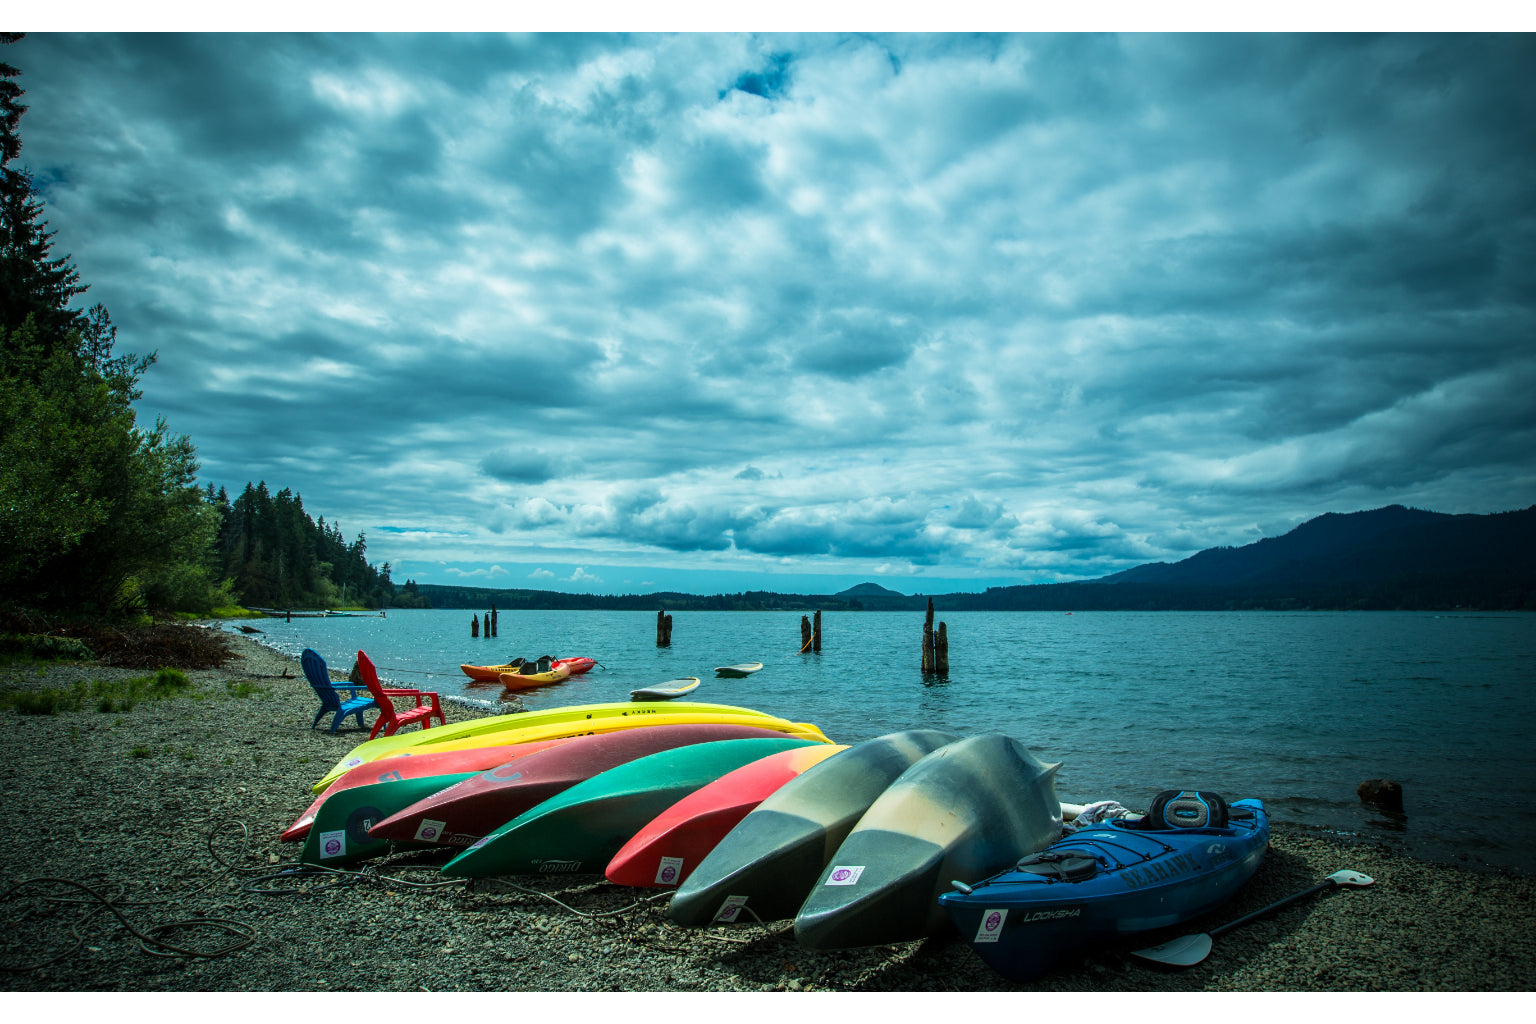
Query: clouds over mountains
{"type": "Point", "coordinates": [1014, 307]}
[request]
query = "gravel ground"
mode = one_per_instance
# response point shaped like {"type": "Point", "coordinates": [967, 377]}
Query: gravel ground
{"type": "Point", "coordinates": [185, 830]}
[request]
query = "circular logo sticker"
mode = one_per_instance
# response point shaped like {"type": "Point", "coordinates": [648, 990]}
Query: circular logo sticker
{"type": "Point", "coordinates": [333, 846]}
{"type": "Point", "coordinates": [994, 919]}
{"type": "Point", "coordinates": [668, 873]}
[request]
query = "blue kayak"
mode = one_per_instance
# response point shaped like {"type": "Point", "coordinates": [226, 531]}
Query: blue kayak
{"type": "Point", "coordinates": [1109, 880]}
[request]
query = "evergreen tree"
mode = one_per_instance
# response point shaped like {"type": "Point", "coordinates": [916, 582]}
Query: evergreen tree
{"type": "Point", "coordinates": [32, 281]}
{"type": "Point", "coordinates": [95, 513]}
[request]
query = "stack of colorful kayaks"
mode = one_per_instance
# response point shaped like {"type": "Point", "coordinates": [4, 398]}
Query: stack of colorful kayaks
{"type": "Point", "coordinates": [383, 777]}
{"type": "Point", "coordinates": [748, 816]}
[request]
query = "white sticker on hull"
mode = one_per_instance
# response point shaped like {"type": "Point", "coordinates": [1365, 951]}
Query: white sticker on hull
{"type": "Point", "coordinates": [730, 909]}
{"type": "Point", "coordinates": [333, 844]}
{"type": "Point", "coordinates": [991, 925]}
{"type": "Point", "coordinates": [430, 830]}
{"type": "Point", "coordinates": [842, 875]}
{"type": "Point", "coordinates": [669, 871]}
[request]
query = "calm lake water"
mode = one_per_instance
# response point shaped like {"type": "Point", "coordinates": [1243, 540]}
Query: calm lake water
{"type": "Point", "coordinates": [1296, 708]}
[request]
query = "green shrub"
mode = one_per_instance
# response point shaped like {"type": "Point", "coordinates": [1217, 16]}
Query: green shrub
{"type": "Point", "coordinates": [45, 647]}
{"type": "Point", "coordinates": [43, 702]}
{"type": "Point", "coordinates": [38, 702]}
{"type": "Point", "coordinates": [171, 680]}
{"type": "Point", "coordinates": [140, 752]}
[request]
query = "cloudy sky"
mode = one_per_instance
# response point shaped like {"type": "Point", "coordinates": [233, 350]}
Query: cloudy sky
{"type": "Point", "coordinates": [714, 312]}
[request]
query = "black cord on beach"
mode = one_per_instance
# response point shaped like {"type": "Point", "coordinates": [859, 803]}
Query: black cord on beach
{"type": "Point", "coordinates": [98, 901]}
{"type": "Point", "coordinates": [341, 878]}
{"type": "Point", "coordinates": [147, 940]}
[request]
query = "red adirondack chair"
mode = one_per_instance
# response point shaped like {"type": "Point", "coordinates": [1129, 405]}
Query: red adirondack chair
{"type": "Point", "coordinates": [392, 720]}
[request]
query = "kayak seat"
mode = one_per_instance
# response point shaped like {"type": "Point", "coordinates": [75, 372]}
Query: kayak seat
{"type": "Point", "coordinates": [1059, 866]}
{"type": "Point", "coordinates": [1186, 808]}
{"type": "Point", "coordinates": [391, 719]}
{"type": "Point", "coordinates": [331, 701]}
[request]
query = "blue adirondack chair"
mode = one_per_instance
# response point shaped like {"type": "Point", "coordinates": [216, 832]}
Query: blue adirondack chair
{"type": "Point", "coordinates": [331, 701]}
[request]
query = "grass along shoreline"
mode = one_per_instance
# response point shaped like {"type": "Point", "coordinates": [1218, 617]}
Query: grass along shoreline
{"type": "Point", "coordinates": [175, 805]}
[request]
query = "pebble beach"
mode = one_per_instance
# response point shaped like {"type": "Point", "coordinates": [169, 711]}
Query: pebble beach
{"type": "Point", "coordinates": [158, 826]}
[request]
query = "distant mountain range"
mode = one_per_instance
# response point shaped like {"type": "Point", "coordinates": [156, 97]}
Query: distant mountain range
{"type": "Point", "coordinates": [1387, 558]}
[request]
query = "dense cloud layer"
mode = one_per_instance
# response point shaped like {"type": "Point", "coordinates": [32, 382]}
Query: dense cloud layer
{"type": "Point", "coordinates": [930, 308]}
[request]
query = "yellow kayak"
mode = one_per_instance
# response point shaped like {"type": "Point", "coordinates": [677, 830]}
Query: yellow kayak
{"type": "Point", "coordinates": [430, 741]}
{"type": "Point", "coordinates": [518, 680]}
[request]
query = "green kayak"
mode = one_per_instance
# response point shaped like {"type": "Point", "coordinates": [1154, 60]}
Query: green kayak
{"type": "Point", "coordinates": [340, 832]}
{"type": "Point", "coordinates": [579, 830]}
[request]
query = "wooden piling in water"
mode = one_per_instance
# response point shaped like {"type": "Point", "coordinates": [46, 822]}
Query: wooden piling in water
{"type": "Point", "coordinates": [816, 633]}
{"type": "Point", "coordinates": [805, 634]}
{"type": "Point", "coordinates": [474, 625]}
{"type": "Point", "coordinates": [928, 639]}
{"type": "Point", "coordinates": [663, 629]}
{"type": "Point", "coordinates": [493, 621]}
{"type": "Point", "coordinates": [941, 652]}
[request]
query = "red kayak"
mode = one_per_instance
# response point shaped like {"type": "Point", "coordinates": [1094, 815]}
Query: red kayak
{"type": "Point", "coordinates": [576, 665]}
{"type": "Point", "coordinates": [417, 766]}
{"type": "Point", "coordinates": [666, 851]}
{"type": "Point", "coordinates": [480, 805]}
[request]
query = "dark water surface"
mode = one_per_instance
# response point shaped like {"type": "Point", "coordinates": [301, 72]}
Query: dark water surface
{"type": "Point", "coordinates": [1296, 708]}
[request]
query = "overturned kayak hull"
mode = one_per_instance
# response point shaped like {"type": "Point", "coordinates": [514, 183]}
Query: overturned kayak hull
{"type": "Point", "coordinates": [579, 830]}
{"type": "Point", "coordinates": [455, 732]}
{"type": "Point", "coordinates": [1103, 882]}
{"type": "Point", "coordinates": [963, 812]}
{"type": "Point", "coordinates": [480, 805]}
{"type": "Point", "coordinates": [409, 766]}
{"type": "Point", "coordinates": [672, 844]}
{"type": "Point", "coordinates": [769, 862]}
{"type": "Point", "coordinates": [339, 834]}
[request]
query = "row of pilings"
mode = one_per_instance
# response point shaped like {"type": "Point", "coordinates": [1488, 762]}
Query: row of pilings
{"type": "Point", "coordinates": [490, 624]}
{"type": "Point", "coordinates": [935, 643]}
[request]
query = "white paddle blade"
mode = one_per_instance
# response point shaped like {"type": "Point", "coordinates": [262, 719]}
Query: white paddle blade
{"type": "Point", "coordinates": [1184, 951]}
{"type": "Point", "coordinates": [1347, 877]}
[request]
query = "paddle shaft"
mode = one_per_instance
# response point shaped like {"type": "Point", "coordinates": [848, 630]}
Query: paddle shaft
{"type": "Point", "coordinates": [1326, 883]}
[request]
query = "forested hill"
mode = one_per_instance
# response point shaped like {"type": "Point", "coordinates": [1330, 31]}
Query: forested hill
{"type": "Point", "coordinates": [481, 599]}
{"type": "Point", "coordinates": [1387, 558]}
